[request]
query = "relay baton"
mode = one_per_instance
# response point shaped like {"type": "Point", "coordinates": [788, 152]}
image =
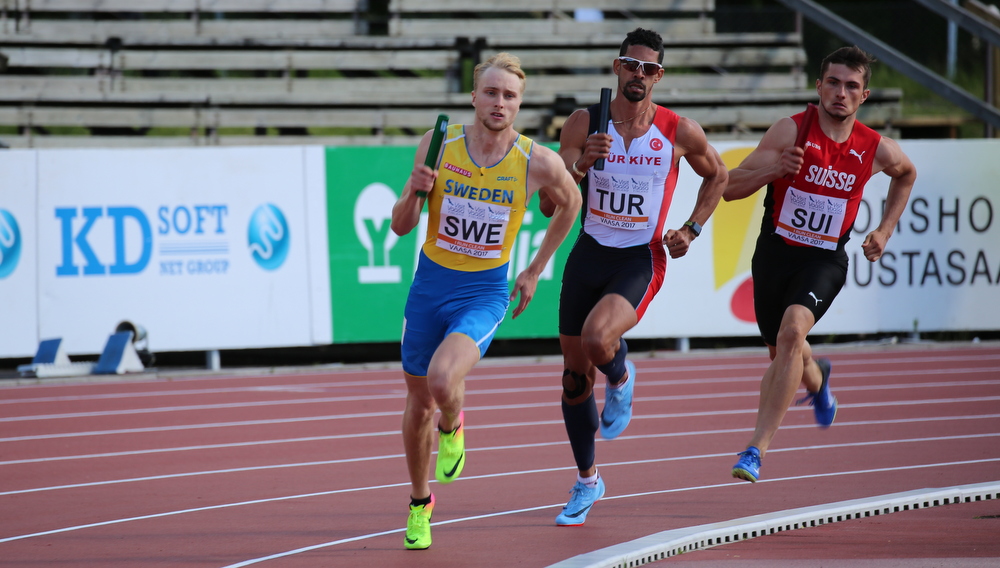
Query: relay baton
{"type": "Point", "coordinates": [435, 148]}
{"type": "Point", "coordinates": [800, 138]}
{"type": "Point", "coordinates": [602, 123]}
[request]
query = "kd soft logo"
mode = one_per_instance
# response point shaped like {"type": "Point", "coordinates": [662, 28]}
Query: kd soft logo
{"type": "Point", "coordinates": [372, 215]}
{"type": "Point", "coordinates": [267, 237]}
{"type": "Point", "coordinates": [10, 243]}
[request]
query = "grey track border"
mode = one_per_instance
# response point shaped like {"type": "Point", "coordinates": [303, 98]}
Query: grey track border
{"type": "Point", "coordinates": [669, 543]}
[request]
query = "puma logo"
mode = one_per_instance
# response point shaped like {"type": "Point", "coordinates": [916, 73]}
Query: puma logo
{"type": "Point", "coordinates": [853, 152]}
{"type": "Point", "coordinates": [814, 295]}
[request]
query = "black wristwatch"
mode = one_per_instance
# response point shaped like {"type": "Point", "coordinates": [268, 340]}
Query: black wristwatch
{"type": "Point", "coordinates": [694, 226]}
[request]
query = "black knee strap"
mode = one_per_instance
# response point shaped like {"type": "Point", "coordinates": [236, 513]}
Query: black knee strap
{"type": "Point", "coordinates": [579, 384]}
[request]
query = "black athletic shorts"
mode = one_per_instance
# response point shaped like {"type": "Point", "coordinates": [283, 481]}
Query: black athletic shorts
{"type": "Point", "coordinates": [785, 275]}
{"type": "Point", "coordinates": [594, 270]}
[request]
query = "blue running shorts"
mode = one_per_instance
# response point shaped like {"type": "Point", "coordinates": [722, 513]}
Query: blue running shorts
{"type": "Point", "coordinates": [443, 301]}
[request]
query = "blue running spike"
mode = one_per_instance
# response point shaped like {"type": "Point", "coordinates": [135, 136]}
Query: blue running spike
{"type": "Point", "coordinates": [617, 411]}
{"type": "Point", "coordinates": [748, 466]}
{"type": "Point", "coordinates": [823, 402]}
{"type": "Point", "coordinates": [583, 498]}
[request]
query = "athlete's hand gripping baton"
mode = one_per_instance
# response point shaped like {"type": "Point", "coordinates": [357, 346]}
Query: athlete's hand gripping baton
{"type": "Point", "coordinates": [435, 148]}
{"type": "Point", "coordinates": [800, 138]}
{"type": "Point", "coordinates": [602, 123]}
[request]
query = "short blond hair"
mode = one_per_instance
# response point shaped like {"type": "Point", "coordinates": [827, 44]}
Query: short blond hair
{"type": "Point", "coordinates": [502, 60]}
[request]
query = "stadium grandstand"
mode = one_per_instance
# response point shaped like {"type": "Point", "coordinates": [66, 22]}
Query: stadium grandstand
{"type": "Point", "coordinates": [117, 73]}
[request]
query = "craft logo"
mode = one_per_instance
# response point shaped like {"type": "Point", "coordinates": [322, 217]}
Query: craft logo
{"type": "Point", "coordinates": [10, 243]}
{"type": "Point", "coordinates": [267, 237]}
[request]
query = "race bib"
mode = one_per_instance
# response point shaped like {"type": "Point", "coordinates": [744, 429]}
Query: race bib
{"type": "Point", "coordinates": [813, 220]}
{"type": "Point", "coordinates": [619, 201]}
{"type": "Point", "coordinates": [472, 228]}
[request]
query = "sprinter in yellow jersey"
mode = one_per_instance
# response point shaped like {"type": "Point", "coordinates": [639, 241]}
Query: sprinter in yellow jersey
{"type": "Point", "coordinates": [476, 200]}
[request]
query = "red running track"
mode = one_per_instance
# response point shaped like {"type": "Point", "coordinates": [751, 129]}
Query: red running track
{"type": "Point", "coordinates": [304, 467]}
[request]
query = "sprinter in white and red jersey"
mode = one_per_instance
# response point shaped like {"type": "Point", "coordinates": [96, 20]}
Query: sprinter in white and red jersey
{"type": "Point", "coordinates": [618, 261]}
{"type": "Point", "coordinates": [799, 265]}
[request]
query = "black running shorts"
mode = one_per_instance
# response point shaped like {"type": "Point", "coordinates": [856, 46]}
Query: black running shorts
{"type": "Point", "coordinates": [785, 275]}
{"type": "Point", "coordinates": [594, 270]}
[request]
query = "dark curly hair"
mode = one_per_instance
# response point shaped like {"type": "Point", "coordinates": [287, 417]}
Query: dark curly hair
{"type": "Point", "coordinates": [645, 38]}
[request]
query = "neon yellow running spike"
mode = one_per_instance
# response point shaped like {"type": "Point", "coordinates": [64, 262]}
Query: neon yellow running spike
{"type": "Point", "coordinates": [418, 526]}
{"type": "Point", "coordinates": [451, 453]}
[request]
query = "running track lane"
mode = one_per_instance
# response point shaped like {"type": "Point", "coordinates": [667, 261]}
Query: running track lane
{"type": "Point", "coordinates": [304, 467]}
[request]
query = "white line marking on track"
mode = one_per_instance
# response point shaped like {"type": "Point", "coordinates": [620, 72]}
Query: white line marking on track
{"type": "Point", "coordinates": [662, 366]}
{"type": "Point", "coordinates": [275, 421]}
{"type": "Point", "coordinates": [493, 448]}
{"type": "Point", "coordinates": [841, 424]}
{"type": "Point", "coordinates": [470, 393]}
{"type": "Point", "coordinates": [614, 497]}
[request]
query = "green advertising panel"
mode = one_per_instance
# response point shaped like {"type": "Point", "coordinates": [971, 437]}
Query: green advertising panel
{"type": "Point", "coordinates": [371, 268]}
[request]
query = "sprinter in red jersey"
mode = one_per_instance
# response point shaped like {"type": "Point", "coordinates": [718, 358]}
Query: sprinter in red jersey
{"type": "Point", "coordinates": [799, 265]}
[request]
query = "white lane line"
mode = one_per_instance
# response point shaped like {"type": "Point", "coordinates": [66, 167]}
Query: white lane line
{"type": "Point", "coordinates": [674, 434]}
{"type": "Point", "coordinates": [644, 494]}
{"type": "Point", "coordinates": [554, 388]}
{"type": "Point", "coordinates": [660, 366]}
{"type": "Point", "coordinates": [276, 421]}
{"type": "Point", "coordinates": [182, 427]}
{"type": "Point", "coordinates": [511, 447]}
{"type": "Point", "coordinates": [351, 490]}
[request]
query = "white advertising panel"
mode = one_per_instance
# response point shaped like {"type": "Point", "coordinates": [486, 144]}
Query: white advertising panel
{"type": "Point", "coordinates": [940, 272]}
{"type": "Point", "coordinates": [318, 245]}
{"type": "Point", "coordinates": [230, 248]}
{"type": "Point", "coordinates": [204, 248]}
{"type": "Point", "coordinates": [18, 273]}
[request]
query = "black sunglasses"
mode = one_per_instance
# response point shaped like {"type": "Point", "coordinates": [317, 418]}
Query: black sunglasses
{"type": "Point", "coordinates": [632, 65]}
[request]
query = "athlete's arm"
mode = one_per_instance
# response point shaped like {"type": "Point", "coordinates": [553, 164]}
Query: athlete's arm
{"type": "Point", "coordinates": [889, 158]}
{"type": "Point", "coordinates": [706, 162]}
{"type": "Point", "coordinates": [406, 211]}
{"type": "Point", "coordinates": [775, 157]}
{"type": "Point", "coordinates": [547, 175]}
{"type": "Point", "coordinates": [578, 149]}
